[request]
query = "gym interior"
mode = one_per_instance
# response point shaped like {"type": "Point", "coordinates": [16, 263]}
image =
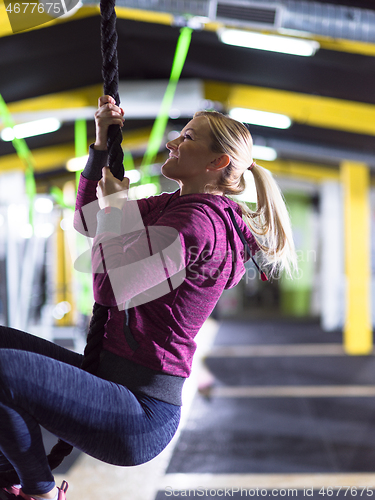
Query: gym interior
{"type": "Point", "coordinates": [281, 400]}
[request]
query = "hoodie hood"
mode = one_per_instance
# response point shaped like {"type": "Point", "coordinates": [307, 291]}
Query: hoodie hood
{"type": "Point", "coordinates": [221, 206]}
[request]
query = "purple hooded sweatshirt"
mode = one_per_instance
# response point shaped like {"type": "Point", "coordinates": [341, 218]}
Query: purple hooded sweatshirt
{"type": "Point", "coordinates": [161, 328]}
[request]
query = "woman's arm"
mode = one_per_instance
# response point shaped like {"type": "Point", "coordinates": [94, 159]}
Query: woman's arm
{"type": "Point", "coordinates": [148, 263]}
{"type": "Point", "coordinates": [107, 114]}
{"type": "Point", "coordinates": [86, 204]}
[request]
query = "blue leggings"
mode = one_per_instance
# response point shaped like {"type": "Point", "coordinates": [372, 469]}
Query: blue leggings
{"type": "Point", "coordinates": [41, 384]}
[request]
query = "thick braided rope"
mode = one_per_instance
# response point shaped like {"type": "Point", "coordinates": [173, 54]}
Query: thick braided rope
{"type": "Point", "coordinates": [110, 82]}
{"type": "Point", "coordinates": [93, 347]}
{"type": "Point", "coordinates": [99, 318]}
{"type": "Point", "coordinates": [90, 364]}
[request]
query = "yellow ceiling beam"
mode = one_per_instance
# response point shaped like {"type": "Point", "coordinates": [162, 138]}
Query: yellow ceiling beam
{"type": "Point", "coordinates": [78, 98]}
{"type": "Point", "coordinates": [89, 11]}
{"type": "Point", "coordinates": [306, 109]}
{"type": "Point", "coordinates": [83, 12]}
{"type": "Point", "coordinates": [45, 158]}
{"type": "Point", "coordinates": [316, 111]}
{"type": "Point", "coordinates": [5, 28]}
{"type": "Point", "coordinates": [145, 16]}
{"type": "Point", "coordinates": [351, 46]}
{"type": "Point", "coordinates": [301, 170]}
{"type": "Point", "coordinates": [53, 157]}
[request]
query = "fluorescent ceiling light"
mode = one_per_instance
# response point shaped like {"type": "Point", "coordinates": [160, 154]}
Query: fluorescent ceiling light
{"type": "Point", "coordinates": [273, 43]}
{"type": "Point", "coordinates": [77, 164]}
{"type": "Point", "coordinates": [26, 231]}
{"type": "Point", "coordinates": [30, 129]}
{"type": "Point", "coordinates": [43, 205]}
{"type": "Point", "coordinates": [264, 153]}
{"type": "Point", "coordinates": [44, 230]}
{"type": "Point", "coordinates": [262, 118]}
{"type": "Point", "coordinates": [133, 176]}
{"type": "Point", "coordinates": [143, 191]}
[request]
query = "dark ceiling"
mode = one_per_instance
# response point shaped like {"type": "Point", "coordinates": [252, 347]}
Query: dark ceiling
{"type": "Point", "coordinates": [67, 56]}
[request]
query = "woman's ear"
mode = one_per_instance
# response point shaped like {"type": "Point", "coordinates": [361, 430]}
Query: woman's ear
{"type": "Point", "coordinates": [219, 162]}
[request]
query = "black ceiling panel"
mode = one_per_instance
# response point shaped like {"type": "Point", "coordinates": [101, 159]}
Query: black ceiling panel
{"type": "Point", "coordinates": [67, 56]}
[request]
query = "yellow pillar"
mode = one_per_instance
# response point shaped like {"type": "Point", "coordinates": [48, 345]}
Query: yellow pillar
{"type": "Point", "coordinates": [357, 329]}
{"type": "Point", "coordinates": [63, 276]}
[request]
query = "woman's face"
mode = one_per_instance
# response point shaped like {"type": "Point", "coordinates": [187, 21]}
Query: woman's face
{"type": "Point", "coordinates": [190, 154]}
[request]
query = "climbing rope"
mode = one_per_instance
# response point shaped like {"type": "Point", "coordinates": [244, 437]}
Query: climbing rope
{"type": "Point", "coordinates": [99, 317]}
{"type": "Point", "coordinates": [110, 82]}
{"type": "Point", "coordinates": [110, 75]}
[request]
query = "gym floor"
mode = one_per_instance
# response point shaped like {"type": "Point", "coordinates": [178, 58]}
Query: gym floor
{"type": "Point", "coordinates": [271, 409]}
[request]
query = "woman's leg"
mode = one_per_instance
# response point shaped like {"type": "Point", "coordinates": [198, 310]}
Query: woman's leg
{"type": "Point", "coordinates": [16, 339]}
{"type": "Point", "coordinates": [99, 417]}
{"type": "Point", "coordinates": [11, 338]}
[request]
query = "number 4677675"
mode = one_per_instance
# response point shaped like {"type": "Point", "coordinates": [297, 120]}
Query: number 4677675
{"type": "Point", "coordinates": [350, 491]}
{"type": "Point", "coordinates": [33, 8]}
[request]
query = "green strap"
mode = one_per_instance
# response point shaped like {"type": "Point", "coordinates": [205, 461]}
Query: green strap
{"type": "Point", "coordinates": [128, 160]}
{"type": "Point", "coordinates": [160, 124]}
{"type": "Point", "coordinates": [80, 142]}
{"type": "Point", "coordinates": [25, 156]}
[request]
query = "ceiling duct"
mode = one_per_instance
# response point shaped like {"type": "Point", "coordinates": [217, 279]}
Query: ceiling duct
{"type": "Point", "coordinates": [316, 18]}
{"type": "Point", "coordinates": [176, 7]}
{"type": "Point", "coordinates": [249, 14]}
{"type": "Point", "coordinates": [335, 21]}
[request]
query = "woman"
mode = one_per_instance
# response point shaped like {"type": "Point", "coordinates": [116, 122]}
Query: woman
{"type": "Point", "coordinates": [160, 265]}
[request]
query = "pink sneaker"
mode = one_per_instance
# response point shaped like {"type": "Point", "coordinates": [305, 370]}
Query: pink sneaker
{"type": "Point", "coordinates": [62, 490]}
{"type": "Point", "coordinates": [13, 490]}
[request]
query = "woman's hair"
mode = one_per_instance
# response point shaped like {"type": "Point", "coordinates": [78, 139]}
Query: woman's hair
{"type": "Point", "coordinates": [269, 223]}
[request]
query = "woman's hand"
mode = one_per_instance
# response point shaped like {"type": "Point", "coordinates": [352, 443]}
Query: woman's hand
{"type": "Point", "coordinates": [108, 114]}
{"type": "Point", "coordinates": [110, 191]}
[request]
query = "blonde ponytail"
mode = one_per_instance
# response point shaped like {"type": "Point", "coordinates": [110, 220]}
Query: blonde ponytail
{"type": "Point", "coordinates": [269, 223]}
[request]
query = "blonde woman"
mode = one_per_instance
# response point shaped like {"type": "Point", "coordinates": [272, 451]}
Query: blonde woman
{"type": "Point", "coordinates": [160, 265]}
